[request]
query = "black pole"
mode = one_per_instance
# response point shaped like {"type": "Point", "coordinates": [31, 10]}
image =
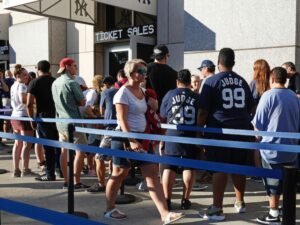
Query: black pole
{"type": "Point", "coordinates": [289, 195]}
{"type": "Point", "coordinates": [71, 130]}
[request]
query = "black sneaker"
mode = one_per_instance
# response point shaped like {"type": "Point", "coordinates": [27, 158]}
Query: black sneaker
{"type": "Point", "coordinates": [45, 178]}
{"type": "Point", "coordinates": [65, 185]}
{"type": "Point", "coordinates": [96, 188]}
{"type": "Point", "coordinates": [268, 219]}
{"type": "Point", "coordinates": [185, 204]}
{"type": "Point", "coordinates": [80, 186]}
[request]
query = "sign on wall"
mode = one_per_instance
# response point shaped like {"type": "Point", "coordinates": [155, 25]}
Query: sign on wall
{"type": "Point", "coordinates": [125, 33]}
{"type": "Point", "coordinates": [83, 11]}
{"type": "Point", "coordinates": [144, 6]}
{"type": "Point", "coordinates": [4, 48]}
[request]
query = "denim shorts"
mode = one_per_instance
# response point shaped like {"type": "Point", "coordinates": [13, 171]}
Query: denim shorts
{"type": "Point", "coordinates": [274, 186]}
{"type": "Point", "coordinates": [118, 144]}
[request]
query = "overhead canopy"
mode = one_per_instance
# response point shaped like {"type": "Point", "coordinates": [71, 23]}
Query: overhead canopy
{"type": "Point", "coordinates": [144, 6]}
{"type": "Point", "coordinates": [83, 11]}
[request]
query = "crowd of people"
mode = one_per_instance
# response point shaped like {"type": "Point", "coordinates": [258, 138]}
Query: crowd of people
{"type": "Point", "coordinates": [221, 100]}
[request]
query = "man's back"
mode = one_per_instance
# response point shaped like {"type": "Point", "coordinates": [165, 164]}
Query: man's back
{"type": "Point", "coordinates": [227, 98]}
{"type": "Point", "coordinates": [161, 78]}
{"type": "Point", "coordinates": [41, 89]}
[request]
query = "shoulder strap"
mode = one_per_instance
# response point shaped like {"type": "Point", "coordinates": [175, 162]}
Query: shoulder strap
{"type": "Point", "coordinates": [180, 106]}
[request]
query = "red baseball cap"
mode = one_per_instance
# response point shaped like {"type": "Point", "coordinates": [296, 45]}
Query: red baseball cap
{"type": "Point", "coordinates": [63, 63]}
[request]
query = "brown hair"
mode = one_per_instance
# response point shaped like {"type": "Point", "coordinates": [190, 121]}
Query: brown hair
{"type": "Point", "coordinates": [261, 74]}
{"type": "Point", "coordinates": [18, 70]}
{"type": "Point", "coordinates": [97, 82]}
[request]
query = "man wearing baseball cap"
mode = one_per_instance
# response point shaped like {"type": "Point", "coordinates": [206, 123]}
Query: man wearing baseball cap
{"type": "Point", "coordinates": [207, 69]}
{"type": "Point", "coordinates": [67, 97]}
{"type": "Point", "coordinates": [161, 77]}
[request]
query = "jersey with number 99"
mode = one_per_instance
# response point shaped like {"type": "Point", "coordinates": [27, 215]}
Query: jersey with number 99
{"type": "Point", "coordinates": [228, 99]}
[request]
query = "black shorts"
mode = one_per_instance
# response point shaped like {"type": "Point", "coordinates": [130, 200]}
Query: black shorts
{"type": "Point", "coordinates": [229, 155]}
{"type": "Point", "coordinates": [193, 153]}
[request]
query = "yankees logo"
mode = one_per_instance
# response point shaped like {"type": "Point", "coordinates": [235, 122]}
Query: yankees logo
{"type": "Point", "coordinates": [81, 7]}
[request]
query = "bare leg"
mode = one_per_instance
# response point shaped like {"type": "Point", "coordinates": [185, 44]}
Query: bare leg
{"type": "Point", "coordinates": [100, 170]}
{"type": "Point", "coordinates": [188, 182]}
{"type": "Point", "coordinates": [78, 165]}
{"type": "Point", "coordinates": [274, 201]}
{"type": "Point", "coordinates": [63, 163]}
{"type": "Point", "coordinates": [239, 183]}
{"type": "Point", "coordinates": [150, 172]}
{"type": "Point", "coordinates": [113, 185]}
{"type": "Point", "coordinates": [219, 185]}
{"type": "Point", "coordinates": [16, 152]}
{"type": "Point", "coordinates": [39, 153]}
{"type": "Point", "coordinates": [168, 180]}
{"type": "Point", "coordinates": [26, 150]}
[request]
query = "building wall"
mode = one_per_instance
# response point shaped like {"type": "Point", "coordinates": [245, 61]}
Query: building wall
{"type": "Point", "coordinates": [254, 29]}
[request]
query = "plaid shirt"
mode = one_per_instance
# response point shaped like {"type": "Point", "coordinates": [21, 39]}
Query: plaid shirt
{"type": "Point", "coordinates": [66, 95]}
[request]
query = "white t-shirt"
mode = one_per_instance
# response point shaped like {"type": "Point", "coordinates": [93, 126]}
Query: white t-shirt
{"type": "Point", "coordinates": [91, 98]}
{"type": "Point", "coordinates": [136, 109]}
{"type": "Point", "coordinates": [19, 109]}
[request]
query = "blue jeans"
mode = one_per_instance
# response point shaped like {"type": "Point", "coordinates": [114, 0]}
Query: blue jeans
{"type": "Point", "coordinates": [49, 131]}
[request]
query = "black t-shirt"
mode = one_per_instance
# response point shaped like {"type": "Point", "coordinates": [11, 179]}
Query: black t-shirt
{"type": "Point", "coordinates": [294, 83]}
{"type": "Point", "coordinates": [161, 78]}
{"type": "Point", "coordinates": [41, 89]}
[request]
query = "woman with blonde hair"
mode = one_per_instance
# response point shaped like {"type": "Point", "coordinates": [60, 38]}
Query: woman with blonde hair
{"type": "Point", "coordinates": [131, 107]}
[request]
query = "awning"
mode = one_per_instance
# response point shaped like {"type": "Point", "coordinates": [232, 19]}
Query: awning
{"type": "Point", "coordinates": [144, 6]}
{"type": "Point", "coordinates": [83, 11]}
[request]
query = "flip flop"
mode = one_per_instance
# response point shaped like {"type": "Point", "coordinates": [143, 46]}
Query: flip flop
{"type": "Point", "coordinates": [115, 214]}
{"type": "Point", "coordinates": [172, 217]}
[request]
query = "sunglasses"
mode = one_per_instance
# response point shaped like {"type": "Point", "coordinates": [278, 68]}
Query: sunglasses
{"type": "Point", "coordinates": [142, 71]}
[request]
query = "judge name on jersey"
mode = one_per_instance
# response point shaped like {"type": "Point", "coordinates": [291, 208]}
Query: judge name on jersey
{"type": "Point", "coordinates": [181, 98]}
{"type": "Point", "coordinates": [226, 81]}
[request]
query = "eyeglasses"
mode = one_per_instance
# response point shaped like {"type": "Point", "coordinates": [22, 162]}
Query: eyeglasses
{"type": "Point", "coordinates": [142, 71]}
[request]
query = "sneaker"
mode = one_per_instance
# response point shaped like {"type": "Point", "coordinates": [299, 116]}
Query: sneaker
{"type": "Point", "coordinates": [268, 219]}
{"type": "Point", "coordinates": [280, 210]}
{"type": "Point", "coordinates": [65, 186]}
{"type": "Point", "coordinates": [257, 179]}
{"type": "Point", "coordinates": [185, 204]}
{"type": "Point", "coordinates": [96, 188]}
{"type": "Point", "coordinates": [213, 213]}
{"type": "Point", "coordinates": [28, 173]}
{"type": "Point", "coordinates": [80, 186]}
{"type": "Point", "coordinates": [240, 206]}
{"type": "Point", "coordinates": [58, 173]}
{"type": "Point", "coordinates": [142, 186]}
{"type": "Point", "coordinates": [199, 187]}
{"type": "Point", "coordinates": [45, 178]}
{"type": "Point", "coordinates": [17, 173]}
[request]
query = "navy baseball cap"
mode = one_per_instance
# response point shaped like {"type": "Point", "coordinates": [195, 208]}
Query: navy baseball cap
{"type": "Point", "coordinates": [207, 63]}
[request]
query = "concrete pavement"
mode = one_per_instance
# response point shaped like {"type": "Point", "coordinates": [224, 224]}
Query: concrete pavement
{"type": "Point", "coordinates": [50, 195]}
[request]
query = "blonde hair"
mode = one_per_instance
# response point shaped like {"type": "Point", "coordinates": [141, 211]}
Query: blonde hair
{"type": "Point", "coordinates": [131, 66]}
{"type": "Point", "coordinates": [97, 82]}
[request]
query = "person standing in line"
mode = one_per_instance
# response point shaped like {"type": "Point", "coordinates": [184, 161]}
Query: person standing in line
{"type": "Point", "coordinates": [67, 97]}
{"type": "Point", "coordinates": [180, 107]}
{"type": "Point", "coordinates": [39, 91]}
{"type": "Point", "coordinates": [160, 76]}
{"type": "Point", "coordinates": [277, 111]}
{"type": "Point", "coordinates": [21, 149]}
{"type": "Point", "coordinates": [294, 77]}
{"type": "Point", "coordinates": [226, 102]}
{"type": "Point", "coordinates": [6, 99]}
{"type": "Point", "coordinates": [195, 83]}
{"type": "Point", "coordinates": [131, 107]}
{"type": "Point", "coordinates": [259, 85]}
{"type": "Point", "coordinates": [207, 69]}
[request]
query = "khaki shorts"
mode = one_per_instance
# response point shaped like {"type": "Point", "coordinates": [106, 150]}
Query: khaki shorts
{"type": "Point", "coordinates": [79, 138]}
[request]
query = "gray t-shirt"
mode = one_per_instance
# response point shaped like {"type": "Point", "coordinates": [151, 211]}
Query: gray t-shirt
{"type": "Point", "coordinates": [278, 111]}
{"type": "Point", "coordinates": [136, 109]}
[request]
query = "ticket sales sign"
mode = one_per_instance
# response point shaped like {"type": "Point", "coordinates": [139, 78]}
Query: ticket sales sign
{"type": "Point", "coordinates": [125, 33]}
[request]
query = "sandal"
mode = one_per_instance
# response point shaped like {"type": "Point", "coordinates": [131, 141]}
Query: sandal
{"type": "Point", "coordinates": [115, 214]}
{"type": "Point", "coordinates": [172, 217]}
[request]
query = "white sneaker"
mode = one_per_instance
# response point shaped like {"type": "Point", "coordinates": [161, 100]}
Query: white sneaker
{"type": "Point", "coordinates": [213, 213]}
{"type": "Point", "coordinates": [240, 206]}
